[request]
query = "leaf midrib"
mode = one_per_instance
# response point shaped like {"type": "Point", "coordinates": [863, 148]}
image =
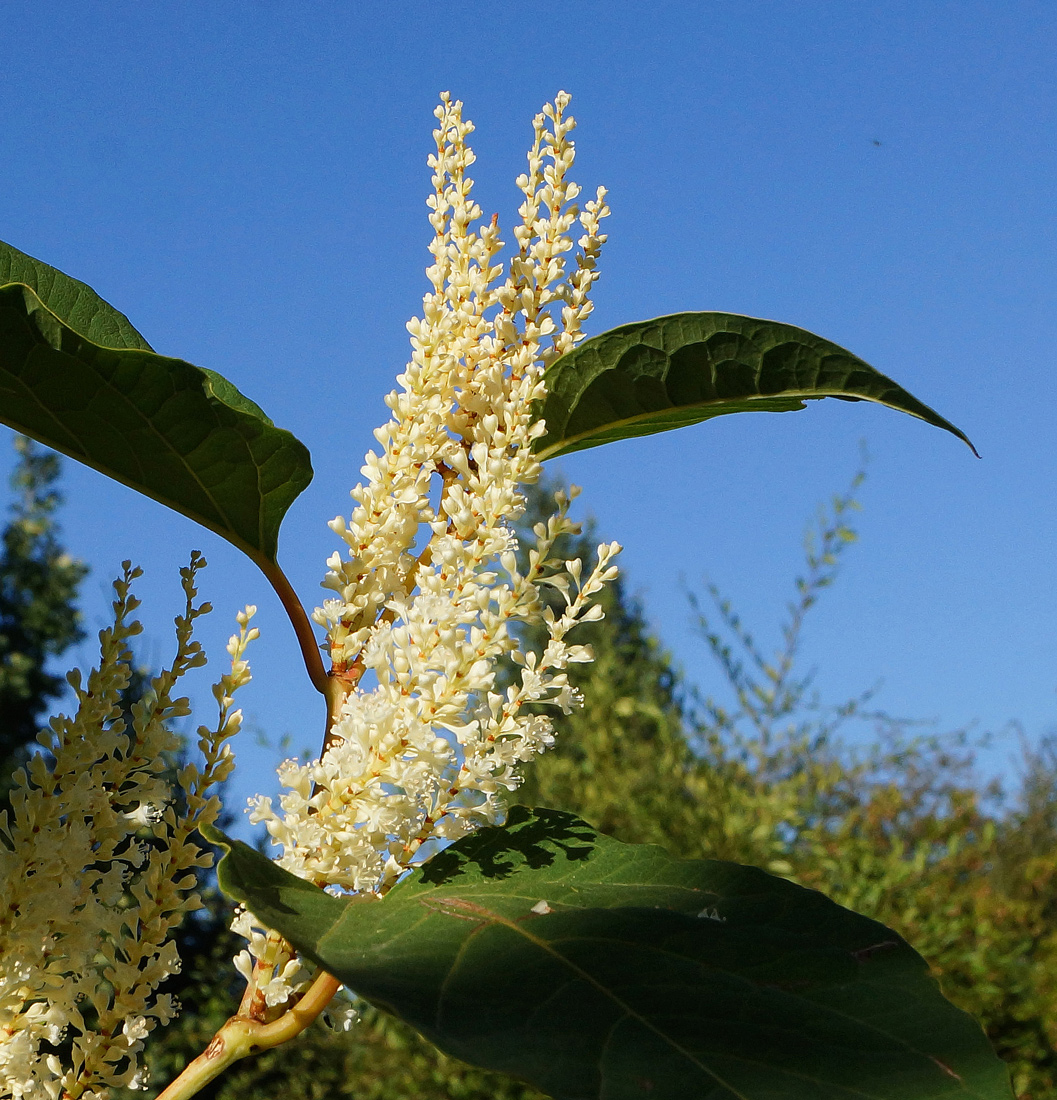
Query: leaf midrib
{"type": "Point", "coordinates": [569, 441]}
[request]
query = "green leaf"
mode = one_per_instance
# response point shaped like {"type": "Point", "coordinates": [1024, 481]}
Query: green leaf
{"type": "Point", "coordinates": [77, 304]}
{"type": "Point", "coordinates": [75, 375]}
{"type": "Point", "coordinates": [652, 376]}
{"type": "Point", "coordinates": [595, 969]}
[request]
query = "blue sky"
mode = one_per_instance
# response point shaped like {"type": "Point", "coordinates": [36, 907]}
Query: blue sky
{"type": "Point", "coordinates": [247, 181]}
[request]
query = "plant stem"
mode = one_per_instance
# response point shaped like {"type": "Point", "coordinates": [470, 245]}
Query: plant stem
{"type": "Point", "coordinates": [292, 1022]}
{"type": "Point", "coordinates": [302, 624]}
{"type": "Point", "coordinates": [242, 1036]}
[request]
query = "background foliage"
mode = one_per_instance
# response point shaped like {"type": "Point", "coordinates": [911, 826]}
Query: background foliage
{"type": "Point", "coordinates": [39, 619]}
{"type": "Point", "coordinates": [897, 829]}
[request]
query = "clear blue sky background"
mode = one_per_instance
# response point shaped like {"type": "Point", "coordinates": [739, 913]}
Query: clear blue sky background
{"type": "Point", "coordinates": [247, 182]}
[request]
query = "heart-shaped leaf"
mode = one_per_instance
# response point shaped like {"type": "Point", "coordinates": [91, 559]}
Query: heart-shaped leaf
{"type": "Point", "coordinates": [75, 375]}
{"type": "Point", "coordinates": [598, 970]}
{"type": "Point", "coordinates": [652, 376]}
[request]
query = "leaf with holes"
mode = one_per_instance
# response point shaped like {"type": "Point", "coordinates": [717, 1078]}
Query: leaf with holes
{"type": "Point", "coordinates": [594, 969]}
{"type": "Point", "coordinates": [653, 376]}
{"type": "Point", "coordinates": [75, 375]}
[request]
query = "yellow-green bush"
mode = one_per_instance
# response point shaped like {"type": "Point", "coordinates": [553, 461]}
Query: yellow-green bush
{"type": "Point", "coordinates": [897, 830]}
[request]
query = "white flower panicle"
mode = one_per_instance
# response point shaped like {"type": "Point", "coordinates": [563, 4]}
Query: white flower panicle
{"type": "Point", "coordinates": [431, 595]}
{"type": "Point", "coordinates": [97, 866]}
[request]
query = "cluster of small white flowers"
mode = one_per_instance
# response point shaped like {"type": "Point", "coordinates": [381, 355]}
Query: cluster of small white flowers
{"type": "Point", "coordinates": [431, 595]}
{"type": "Point", "coordinates": [97, 867]}
{"type": "Point", "coordinates": [271, 967]}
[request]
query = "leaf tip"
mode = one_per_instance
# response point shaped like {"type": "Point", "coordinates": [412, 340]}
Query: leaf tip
{"type": "Point", "coordinates": [215, 837]}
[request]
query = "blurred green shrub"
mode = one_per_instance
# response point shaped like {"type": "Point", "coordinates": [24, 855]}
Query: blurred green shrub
{"type": "Point", "coordinates": [897, 829]}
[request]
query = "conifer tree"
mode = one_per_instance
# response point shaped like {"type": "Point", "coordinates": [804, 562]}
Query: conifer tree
{"type": "Point", "coordinates": [39, 619]}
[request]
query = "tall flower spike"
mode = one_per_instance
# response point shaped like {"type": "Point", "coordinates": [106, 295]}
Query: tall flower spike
{"type": "Point", "coordinates": [97, 867]}
{"type": "Point", "coordinates": [430, 595]}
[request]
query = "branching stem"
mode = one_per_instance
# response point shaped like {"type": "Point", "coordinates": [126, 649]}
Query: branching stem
{"type": "Point", "coordinates": [242, 1036]}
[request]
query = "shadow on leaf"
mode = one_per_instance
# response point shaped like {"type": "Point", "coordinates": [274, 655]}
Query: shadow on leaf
{"type": "Point", "coordinates": [532, 838]}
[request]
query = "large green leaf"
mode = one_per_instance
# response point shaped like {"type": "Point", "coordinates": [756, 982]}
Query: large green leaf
{"type": "Point", "coordinates": [75, 375]}
{"type": "Point", "coordinates": [598, 970]}
{"type": "Point", "coordinates": [652, 376]}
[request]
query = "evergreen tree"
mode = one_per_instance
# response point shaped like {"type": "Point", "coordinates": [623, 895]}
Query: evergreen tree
{"type": "Point", "coordinates": [38, 616]}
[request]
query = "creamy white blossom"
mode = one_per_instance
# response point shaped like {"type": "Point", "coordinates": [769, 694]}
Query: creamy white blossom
{"type": "Point", "coordinates": [429, 595]}
{"type": "Point", "coordinates": [97, 867]}
{"type": "Point", "coordinates": [97, 864]}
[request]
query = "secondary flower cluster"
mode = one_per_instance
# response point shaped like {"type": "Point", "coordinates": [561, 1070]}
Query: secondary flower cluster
{"type": "Point", "coordinates": [430, 595]}
{"type": "Point", "coordinates": [98, 867]}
